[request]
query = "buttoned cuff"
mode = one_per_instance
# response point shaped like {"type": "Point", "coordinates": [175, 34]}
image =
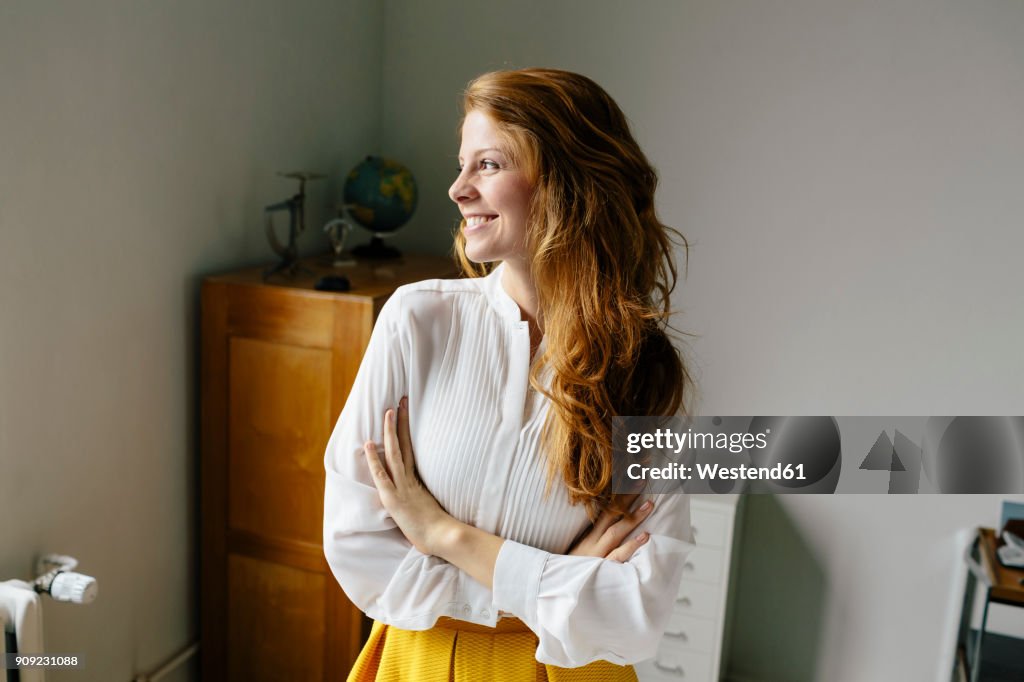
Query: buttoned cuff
{"type": "Point", "coordinates": [517, 573]}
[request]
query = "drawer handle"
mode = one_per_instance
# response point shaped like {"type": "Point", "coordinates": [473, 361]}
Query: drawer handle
{"type": "Point", "coordinates": [677, 670]}
{"type": "Point", "coordinates": [681, 636]}
{"type": "Point", "coordinates": [688, 566]}
{"type": "Point", "coordinates": [685, 601]}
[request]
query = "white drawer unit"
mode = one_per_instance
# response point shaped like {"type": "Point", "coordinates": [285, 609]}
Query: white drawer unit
{"type": "Point", "coordinates": [691, 632]}
{"type": "Point", "coordinates": [695, 642]}
{"type": "Point", "coordinates": [677, 666]}
{"type": "Point", "coordinates": [698, 599]}
{"type": "Point", "coordinates": [704, 564]}
{"type": "Point", "coordinates": [710, 528]}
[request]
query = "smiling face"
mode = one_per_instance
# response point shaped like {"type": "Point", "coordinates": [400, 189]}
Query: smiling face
{"type": "Point", "coordinates": [493, 195]}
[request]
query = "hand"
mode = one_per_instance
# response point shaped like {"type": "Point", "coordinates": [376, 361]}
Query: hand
{"type": "Point", "coordinates": [611, 536]}
{"type": "Point", "coordinates": [417, 514]}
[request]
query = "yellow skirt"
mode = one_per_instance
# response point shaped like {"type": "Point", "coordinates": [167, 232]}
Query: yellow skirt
{"type": "Point", "coordinates": [457, 651]}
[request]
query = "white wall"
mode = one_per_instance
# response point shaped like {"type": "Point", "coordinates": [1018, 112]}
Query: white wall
{"type": "Point", "coordinates": [846, 171]}
{"type": "Point", "coordinates": [849, 174]}
{"type": "Point", "coordinates": [138, 144]}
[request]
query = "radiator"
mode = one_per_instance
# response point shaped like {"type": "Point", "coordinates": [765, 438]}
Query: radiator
{"type": "Point", "coordinates": [21, 611]}
{"type": "Point", "coordinates": [21, 615]}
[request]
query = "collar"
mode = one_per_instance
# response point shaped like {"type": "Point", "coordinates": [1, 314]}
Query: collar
{"type": "Point", "coordinates": [499, 298]}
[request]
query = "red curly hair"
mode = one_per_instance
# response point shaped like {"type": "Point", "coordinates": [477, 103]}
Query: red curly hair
{"type": "Point", "coordinates": [601, 261]}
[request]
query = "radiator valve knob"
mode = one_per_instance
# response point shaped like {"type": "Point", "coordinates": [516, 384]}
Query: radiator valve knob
{"type": "Point", "coordinates": [74, 587]}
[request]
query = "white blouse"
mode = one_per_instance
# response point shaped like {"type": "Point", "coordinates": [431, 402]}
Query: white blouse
{"type": "Point", "coordinates": [460, 352]}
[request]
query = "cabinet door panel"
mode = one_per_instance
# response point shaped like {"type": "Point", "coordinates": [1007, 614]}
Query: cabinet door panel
{"type": "Point", "coordinates": [283, 317]}
{"type": "Point", "coordinates": [279, 423]}
{"type": "Point", "coordinates": [275, 622]}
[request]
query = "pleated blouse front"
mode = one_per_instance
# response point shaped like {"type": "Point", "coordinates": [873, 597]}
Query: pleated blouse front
{"type": "Point", "coordinates": [460, 352]}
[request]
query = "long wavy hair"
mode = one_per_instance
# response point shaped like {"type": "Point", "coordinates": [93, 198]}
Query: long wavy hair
{"type": "Point", "coordinates": [602, 263]}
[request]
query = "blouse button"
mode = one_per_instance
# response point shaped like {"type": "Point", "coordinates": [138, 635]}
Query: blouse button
{"type": "Point", "coordinates": [485, 613]}
{"type": "Point", "coordinates": [467, 610]}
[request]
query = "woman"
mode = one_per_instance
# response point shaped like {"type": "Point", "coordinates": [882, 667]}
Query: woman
{"type": "Point", "coordinates": [481, 534]}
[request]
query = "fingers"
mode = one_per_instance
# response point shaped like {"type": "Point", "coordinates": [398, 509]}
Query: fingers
{"type": "Point", "coordinates": [606, 518]}
{"type": "Point", "coordinates": [404, 434]}
{"type": "Point", "coordinates": [609, 536]}
{"type": "Point", "coordinates": [392, 448]}
{"type": "Point", "coordinates": [381, 479]}
{"type": "Point", "coordinates": [604, 521]}
{"type": "Point", "coordinates": [625, 551]}
{"type": "Point", "coordinates": [620, 530]}
{"type": "Point", "coordinates": [398, 443]}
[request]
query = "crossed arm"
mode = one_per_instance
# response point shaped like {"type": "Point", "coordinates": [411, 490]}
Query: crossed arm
{"type": "Point", "coordinates": [432, 531]}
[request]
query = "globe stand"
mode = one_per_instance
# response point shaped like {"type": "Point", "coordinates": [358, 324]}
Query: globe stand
{"type": "Point", "coordinates": [376, 250]}
{"type": "Point", "coordinates": [380, 196]}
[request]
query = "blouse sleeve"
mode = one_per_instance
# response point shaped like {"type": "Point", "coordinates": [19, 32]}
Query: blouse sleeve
{"type": "Point", "coordinates": [377, 567]}
{"type": "Point", "coordinates": [584, 608]}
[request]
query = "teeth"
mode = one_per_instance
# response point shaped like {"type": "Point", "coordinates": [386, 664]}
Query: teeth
{"type": "Point", "coordinates": [476, 220]}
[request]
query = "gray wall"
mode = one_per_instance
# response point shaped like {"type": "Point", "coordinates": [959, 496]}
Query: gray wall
{"type": "Point", "coordinates": [845, 170]}
{"type": "Point", "coordinates": [139, 142]}
{"type": "Point", "coordinates": [849, 174]}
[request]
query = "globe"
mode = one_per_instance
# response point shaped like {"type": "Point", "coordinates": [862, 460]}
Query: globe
{"type": "Point", "coordinates": [380, 195]}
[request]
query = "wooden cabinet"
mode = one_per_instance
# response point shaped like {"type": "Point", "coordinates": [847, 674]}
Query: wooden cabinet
{"type": "Point", "coordinates": [695, 643]}
{"type": "Point", "coordinates": [278, 360]}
